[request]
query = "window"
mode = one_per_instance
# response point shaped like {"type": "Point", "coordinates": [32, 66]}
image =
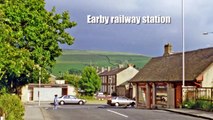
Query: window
{"type": "Point", "coordinates": [71, 97]}
{"type": "Point", "coordinates": [103, 88]}
{"type": "Point", "coordinates": [104, 80]}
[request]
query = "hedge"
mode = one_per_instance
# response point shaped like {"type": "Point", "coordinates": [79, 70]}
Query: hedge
{"type": "Point", "coordinates": [199, 104]}
{"type": "Point", "coordinates": [12, 107]}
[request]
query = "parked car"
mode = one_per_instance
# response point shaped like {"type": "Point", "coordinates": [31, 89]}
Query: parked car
{"type": "Point", "coordinates": [117, 101]}
{"type": "Point", "coordinates": [70, 99]}
{"type": "Point", "coordinates": [100, 96]}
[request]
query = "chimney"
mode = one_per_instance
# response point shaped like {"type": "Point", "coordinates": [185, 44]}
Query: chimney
{"type": "Point", "coordinates": [108, 68]}
{"type": "Point", "coordinates": [167, 49]}
{"type": "Point", "coordinates": [131, 65]}
{"type": "Point", "coordinates": [97, 69]}
{"type": "Point", "coordinates": [102, 69]}
{"type": "Point", "coordinates": [120, 66]}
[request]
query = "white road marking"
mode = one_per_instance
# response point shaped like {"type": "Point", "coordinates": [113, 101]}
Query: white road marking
{"type": "Point", "coordinates": [118, 113]}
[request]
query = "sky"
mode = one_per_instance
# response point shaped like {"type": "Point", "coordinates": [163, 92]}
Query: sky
{"type": "Point", "coordinates": [146, 39]}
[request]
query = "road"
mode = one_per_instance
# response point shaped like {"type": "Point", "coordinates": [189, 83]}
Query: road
{"type": "Point", "coordinates": [104, 112]}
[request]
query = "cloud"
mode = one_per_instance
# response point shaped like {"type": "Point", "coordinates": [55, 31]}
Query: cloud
{"type": "Point", "coordinates": [146, 39]}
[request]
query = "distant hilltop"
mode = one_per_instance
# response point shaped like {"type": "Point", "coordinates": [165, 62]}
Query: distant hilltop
{"type": "Point", "coordinates": [74, 51]}
{"type": "Point", "coordinates": [76, 60]}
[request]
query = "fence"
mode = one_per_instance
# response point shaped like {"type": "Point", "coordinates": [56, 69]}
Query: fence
{"type": "Point", "coordinates": [202, 94]}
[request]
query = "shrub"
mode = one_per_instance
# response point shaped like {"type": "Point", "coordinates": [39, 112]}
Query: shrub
{"type": "Point", "coordinates": [12, 107]}
{"type": "Point", "coordinates": [199, 104]}
{"type": "Point", "coordinates": [189, 104]}
{"type": "Point", "coordinates": [204, 105]}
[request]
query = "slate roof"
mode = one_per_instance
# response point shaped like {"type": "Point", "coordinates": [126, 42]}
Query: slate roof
{"type": "Point", "coordinates": [112, 72]}
{"type": "Point", "coordinates": [169, 68]}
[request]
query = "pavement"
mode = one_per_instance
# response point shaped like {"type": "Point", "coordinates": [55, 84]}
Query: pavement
{"type": "Point", "coordinates": [34, 112]}
{"type": "Point", "coordinates": [194, 113]}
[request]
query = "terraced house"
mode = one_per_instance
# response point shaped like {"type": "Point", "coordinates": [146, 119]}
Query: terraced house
{"type": "Point", "coordinates": [159, 82]}
{"type": "Point", "coordinates": [116, 80]}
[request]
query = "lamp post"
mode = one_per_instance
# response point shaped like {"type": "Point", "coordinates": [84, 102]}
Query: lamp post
{"type": "Point", "coordinates": [183, 53]}
{"type": "Point", "coordinates": [206, 33]}
{"type": "Point", "coordinates": [39, 84]}
{"type": "Point", "coordinates": [183, 45]}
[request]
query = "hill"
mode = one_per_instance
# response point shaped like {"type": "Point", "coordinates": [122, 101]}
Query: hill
{"type": "Point", "coordinates": [77, 59]}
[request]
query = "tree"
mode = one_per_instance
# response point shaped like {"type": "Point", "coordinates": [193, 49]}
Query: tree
{"type": "Point", "coordinates": [29, 36]}
{"type": "Point", "coordinates": [72, 79]}
{"type": "Point", "coordinates": [74, 71]}
{"type": "Point", "coordinates": [90, 81]}
{"type": "Point", "coordinates": [12, 107]}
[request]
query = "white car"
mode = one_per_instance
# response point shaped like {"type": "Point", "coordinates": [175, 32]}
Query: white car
{"type": "Point", "coordinates": [70, 99]}
{"type": "Point", "coordinates": [117, 101]}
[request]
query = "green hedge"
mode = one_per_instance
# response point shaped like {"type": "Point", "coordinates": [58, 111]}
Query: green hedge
{"type": "Point", "coordinates": [12, 107]}
{"type": "Point", "coordinates": [199, 104]}
{"type": "Point", "coordinates": [189, 104]}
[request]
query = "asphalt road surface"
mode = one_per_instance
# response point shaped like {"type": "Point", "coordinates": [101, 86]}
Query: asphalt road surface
{"type": "Point", "coordinates": [104, 112]}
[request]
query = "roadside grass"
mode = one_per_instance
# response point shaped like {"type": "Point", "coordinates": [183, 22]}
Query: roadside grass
{"type": "Point", "coordinates": [93, 100]}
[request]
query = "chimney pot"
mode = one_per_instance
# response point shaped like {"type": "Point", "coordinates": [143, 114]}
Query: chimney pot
{"type": "Point", "coordinates": [102, 69]}
{"type": "Point", "coordinates": [120, 66]}
{"type": "Point", "coordinates": [167, 49]}
{"type": "Point", "coordinates": [108, 68]}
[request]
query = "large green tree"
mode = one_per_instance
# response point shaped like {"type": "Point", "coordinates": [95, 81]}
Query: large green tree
{"type": "Point", "coordinates": [90, 81]}
{"type": "Point", "coordinates": [29, 41]}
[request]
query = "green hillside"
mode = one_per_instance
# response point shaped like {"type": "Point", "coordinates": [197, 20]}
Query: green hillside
{"type": "Point", "coordinates": [78, 59]}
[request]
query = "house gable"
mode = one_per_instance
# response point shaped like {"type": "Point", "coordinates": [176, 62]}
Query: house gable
{"type": "Point", "coordinates": [126, 75]}
{"type": "Point", "coordinates": [207, 77]}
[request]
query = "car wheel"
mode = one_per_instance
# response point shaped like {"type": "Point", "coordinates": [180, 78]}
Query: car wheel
{"type": "Point", "coordinates": [61, 102]}
{"type": "Point", "coordinates": [116, 104]}
{"type": "Point", "coordinates": [80, 102]}
{"type": "Point", "coordinates": [132, 104]}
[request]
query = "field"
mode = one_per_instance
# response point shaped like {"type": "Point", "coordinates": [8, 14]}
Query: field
{"type": "Point", "coordinates": [78, 59]}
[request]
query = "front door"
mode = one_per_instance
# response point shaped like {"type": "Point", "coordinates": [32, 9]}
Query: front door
{"type": "Point", "coordinates": [178, 95]}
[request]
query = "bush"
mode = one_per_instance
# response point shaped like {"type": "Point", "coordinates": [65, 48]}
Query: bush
{"type": "Point", "coordinates": [204, 105]}
{"type": "Point", "coordinates": [188, 104]}
{"type": "Point", "coordinates": [12, 107]}
{"type": "Point", "coordinates": [199, 104]}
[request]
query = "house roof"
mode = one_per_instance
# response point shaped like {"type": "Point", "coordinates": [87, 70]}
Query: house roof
{"type": "Point", "coordinates": [169, 68]}
{"type": "Point", "coordinates": [112, 72]}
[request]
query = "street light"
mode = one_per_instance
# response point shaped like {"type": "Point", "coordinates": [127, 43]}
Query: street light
{"type": "Point", "coordinates": [39, 84]}
{"type": "Point", "coordinates": [183, 42]}
{"type": "Point", "coordinates": [206, 33]}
